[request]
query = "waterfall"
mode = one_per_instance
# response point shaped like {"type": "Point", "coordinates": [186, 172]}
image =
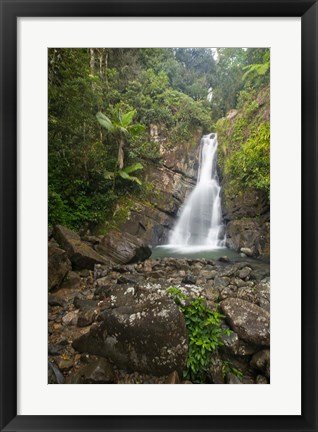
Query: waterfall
{"type": "Point", "coordinates": [200, 222]}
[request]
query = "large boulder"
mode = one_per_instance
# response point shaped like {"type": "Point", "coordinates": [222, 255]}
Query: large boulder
{"type": "Point", "coordinates": [146, 336]}
{"type": "Point", "coordinates": [58, 266]}
{"type": "Point", "coordinates": [81, 255]}
{"type": "Point", "coordinates": [123, 248]}
{"type": "Point", "coordinates": [250, 322]}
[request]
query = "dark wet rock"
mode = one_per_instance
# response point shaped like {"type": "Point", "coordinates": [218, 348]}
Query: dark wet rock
{"type": "Point", "coordinates": [233, 345]}
{"type": "Point", "coordinates": [215, 371]}
{"type": "Point", "coordinates": [101, 271]}
{"type": "Point", "coordinates": [81, 255]}
{"type": "Point", "coordinates": [261, 361]}
{"type": "Point", "coordinates": [131, 279]}
{"type": "Point", "coordinates": [249, 321]}
{"type": "Point", "coordinates": [99, 371]}
{"type": "Point", "coordinates": [123, 248]}
{"type": "Point", "coordinates": [230, 342]}
{"type": "Point", "coordinates": [246, 379]}
{"type": "Point", "coordinates": [158, 274]}
{"type": "Point", "coordinates": [212, 294]}
{"type": "Point", "coordinates": [211, 305]}
{"type": "Point", "coordinates": [244, 272]}
{"type": "Point", "coordinates": [248, 294]}
{"type": "Point", "coordinates": [55, 376]}
{"type": "Point", "coordinates": [129, 268]}
{"type": "Point", "coordinates": [149, 337]}
{"type": "Point", "coordinates": [72, 280]}
{"type": "Point", "coordinates": [93, 240]}
{"type": "Point", "coordinates": [260, 379]}
{"type": "Point", "coordinates": [232, 379]}
{"type": "Point", "coordinates": [221, 282]}
{"type": "Point", "coordinates": [173, 378]}
{"type": "Point", "coordinates": [54, 300]}
{"type": "Point", "coordinates": [118, 295]}
{"type": "Point", "coordinates": [259, 273]}
{"type": "Point", "coordinates": [228, 270]}
{"type": "Point", "coordinates": [102, 290]}
{"type": "Point", "coordinates": [104, 281]}
{"type": "Point", "coordinates": [83, 304]}
{"type": "Point", "coordinates": [58, 266]}
{"type": "Point", "coordinates": [85, 318]}
{"type": "Point", "coordinates": [189, 279]}
{"type": "Point", "coordinates": [85, 273]}
{"type": "Point", "coordinates": [228, 291]}
{"type": "Point", "coordinates": [208, 274]}
{"type": "Point", "coordinates": [64, 364]}
{"type": "Point", "coordinates": [239, 282]}
{"type": "Point", "coordinates": [55, 350]}
{"type": "Point", "coordinates": [224, 259]}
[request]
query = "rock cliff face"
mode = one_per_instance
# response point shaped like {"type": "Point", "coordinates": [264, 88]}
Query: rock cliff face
{"type": "Point", "coordinates": [247, 222]}
{"type": "Point", "coordinates": [170, 179]}
{"type": "Point", "coordinates": [246, 210]}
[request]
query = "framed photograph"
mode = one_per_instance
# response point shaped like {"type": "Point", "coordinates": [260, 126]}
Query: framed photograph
{"type": "Point", "coordinates": [158, 167]}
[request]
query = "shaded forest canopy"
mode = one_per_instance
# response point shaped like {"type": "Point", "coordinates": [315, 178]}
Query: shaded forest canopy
{"type": "Point", "coordinates": [103, 103]}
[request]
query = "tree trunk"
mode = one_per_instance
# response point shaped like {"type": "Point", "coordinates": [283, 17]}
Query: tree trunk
{"type": "Point", "coordinates": [101, 63]}
{"type": "Point", "coordinates": [106, 64]}
{"type": "Point", "coordinates": [120, 158]}
{"type": "Point", "coordinates": [92, 59]}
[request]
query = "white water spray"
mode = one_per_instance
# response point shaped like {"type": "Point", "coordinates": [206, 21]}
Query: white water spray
{"type": "Point", "coordinates": [200, 223]}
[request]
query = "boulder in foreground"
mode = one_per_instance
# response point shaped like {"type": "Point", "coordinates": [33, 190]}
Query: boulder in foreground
{"type": "Point", "coordinates": [148, 337]}
{"type": "Point", "coordinates": [249, 321]}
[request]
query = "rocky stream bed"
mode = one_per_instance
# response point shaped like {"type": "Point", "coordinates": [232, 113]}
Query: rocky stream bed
{"type": "Point", "coordinates": [117, 323]}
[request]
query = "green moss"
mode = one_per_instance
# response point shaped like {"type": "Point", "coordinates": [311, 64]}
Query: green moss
{"type": "Point", "coordinates": [120, 215]}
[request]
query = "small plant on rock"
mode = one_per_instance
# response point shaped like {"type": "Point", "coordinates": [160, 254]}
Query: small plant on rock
{"type": "Point", "coordinates": [205, 334]}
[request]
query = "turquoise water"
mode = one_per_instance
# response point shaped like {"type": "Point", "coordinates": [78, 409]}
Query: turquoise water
{"type": "Point", "coordinates": [194, 253]}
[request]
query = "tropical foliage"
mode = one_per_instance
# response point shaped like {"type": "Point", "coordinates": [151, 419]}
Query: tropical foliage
{"type": "Point", "coordinates": [103, 103]}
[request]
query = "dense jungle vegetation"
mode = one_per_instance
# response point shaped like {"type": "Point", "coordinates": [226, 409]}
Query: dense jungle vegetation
{"type": "Point", "coordinates": [103, 102]}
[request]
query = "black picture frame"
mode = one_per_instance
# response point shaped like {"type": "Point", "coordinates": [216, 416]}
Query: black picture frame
{"type": "Point", "coordinates": [10, 11]}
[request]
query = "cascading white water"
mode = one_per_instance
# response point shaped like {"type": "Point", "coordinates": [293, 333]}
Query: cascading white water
{"type": "Point", "coordinates": [200, 222]}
